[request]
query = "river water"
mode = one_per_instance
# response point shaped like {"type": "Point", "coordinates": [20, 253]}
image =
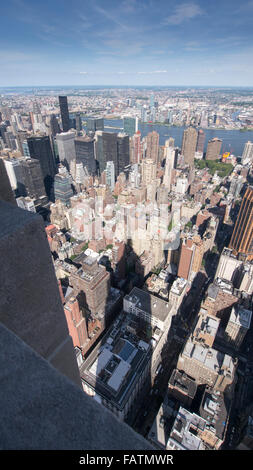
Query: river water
{"type": "Point", "coordinates": [233, 140]}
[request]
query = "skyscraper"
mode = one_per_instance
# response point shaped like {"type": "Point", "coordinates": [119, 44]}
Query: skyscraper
{"type": "Point", "coordinates": [148, 171]}
{"type": "Point", "coordinates": [110, 175]}
{"type": "Point", "coordinates": [14, 171]}
{"type": "Point", "coordinates": [152, 101]}
{"type": "Point", "coordinates": [54, 125]}
{"type": "Point", "coordinates": [78, 122]}
{"type": "Point", "coordinates": [40, 149]}
{"type": "Point", "coordinates": [169, 165]}
{"type": "Point", "coordinates": [32, 178]}
{"type": "Point", "coordinates": [213, 149]}
{"type": "Point", "coordinates": [84, 149]}
{"type": "Point", "coordinates": [66, 147]}
{"type": "Point", "coordinates": [95, 124]}
{"type": "Point", "coordinates": [135, 148]}
{"type": "Point", "coordinates": [242, 236]}
{"type": "Point", "coordinates": [106, 149]}
{"type": "Point", "coordinates": [200, 141]}
{"type": "Point", "coordinates": [6, 193]}
{"type": "Point", "coordinates": [152, 146]}
{"type": "Point", "coordinates": [123, 157]}
{"type": "Point", "coordinates": [130, 125]}
{"type": "Point", "coordinates": [64, 110]}
{"type": "Point", "coordinates": [62, 187]}
{"type": "Point", "coordinates": [10, 139]}
{"type": "Point", "coordinates": [189, 145]}
{"type": "Point", "coordinates": [247, 156]}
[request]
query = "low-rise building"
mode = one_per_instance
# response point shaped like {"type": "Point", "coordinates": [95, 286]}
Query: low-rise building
{"type": "Point", "coordinates": [152, 310]}
{"type": "Point", "coordinates": [177, 428]}
{"type": "Point", "coordinates": [157, 286]}
{"type": "Point", "coordinates": [153, 315]}
{"type": "Point", "coordinates": [207, 365]}
{"type": "Point", "coordinates": [182, 387]}
{"type": "Point", "coordinates": [177, 293]}
{"type": "Point", "coordinates": [123, 363]}
{"type": "Point", "coordinates": [215, 410]}
{"type": "Point", "coordinates": [206, 328]}
{"type": "Point", "coordinates": [236, 269]}
{"type": "Point", "coordinates": [187, 431]}
{"type": "Point", "coordinates": [238, 325]}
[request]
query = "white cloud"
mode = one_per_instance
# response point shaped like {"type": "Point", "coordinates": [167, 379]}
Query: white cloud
{"type": "Point", "coordinates": [151, 72]}
{"type": "Point", "coordinates": [183, 12]}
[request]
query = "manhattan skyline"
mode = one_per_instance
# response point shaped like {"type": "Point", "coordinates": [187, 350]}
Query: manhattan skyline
{"type": "Point", "coordinates": [190, 43]}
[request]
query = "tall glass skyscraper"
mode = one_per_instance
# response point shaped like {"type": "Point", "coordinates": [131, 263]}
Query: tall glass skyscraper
{"type": "Point", "coordinates": [66, 147]}
{"type": "Point", "coordinates": [40, 149]}
{"type": "Point", "coordinates": [130, 125]}
{"type": "Point", "coordinates": [95, 124]}
{"type": "Point", "coordinates": [62, 187]}
{"type": "Point", "coordinates": [106, 149]}
{"type": "Point", "coordinates": [84, 149]}
{"type": "Point", "coordinates": [63, 102]}
{"type": "Point", "coordinates": [123, 152]}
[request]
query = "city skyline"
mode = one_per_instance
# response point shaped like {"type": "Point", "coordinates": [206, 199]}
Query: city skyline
{"type": "Point", "coordinates": [127, 43]}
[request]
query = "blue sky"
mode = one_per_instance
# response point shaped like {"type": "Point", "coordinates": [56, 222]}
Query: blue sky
{"type": "Point", "coordinates": [126, 42]}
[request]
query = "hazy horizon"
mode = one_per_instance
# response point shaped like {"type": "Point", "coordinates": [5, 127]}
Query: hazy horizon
{"type": "Point", "coordinates": [128, 86]}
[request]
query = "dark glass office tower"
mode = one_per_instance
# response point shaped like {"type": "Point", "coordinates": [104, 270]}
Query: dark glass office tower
{"type": "Point", "coordinates": [3, 129]}
{"type": "Point", "coordinates": [63, 102]}
{"type": "Point", "coordinates": [123, 153]}
{"type": "Point", "coordinates": [10, 139]}
{"type": "Point", "coordinates": [32, 178]}
{"type": "Point", "coordinates": [84, 147]}
{"type": "Point", "coordinates": [78, 123]}
{"type": "Point", "coordinates": [130, 125]}
{"type": "Point", "coordinates": [62, 188]}
{"type": "Point", "coordinates": [40, 149]}
{"type": "Point", "coordinates": [106, 149]}
{"type": "Point", "coordinates": [95, 124]}
{"type": "Point", "coordinates": [54, 125]}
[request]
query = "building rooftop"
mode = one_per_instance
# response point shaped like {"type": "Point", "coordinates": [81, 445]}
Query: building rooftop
{"type": "Point", "coordinates": [215, 411]}
{"type": "Point", "coordinates": [211, 358]}
{"type": "Point", "coordinates": [183, 383]}
{"type": "Point", "coordinates": [178, 286]}
{"type": "Point", "coordinates": [84, 138]}
{"type": "Point", "coordinates": [241, 316]}
{"type": "Point", "coordinates": [148, 303]}
{"type": "Point", "coordinates": [113, 367]}
{"type": "Point", "coordinates": [206, 325]}
{"type": "Point", "coordinates": [186, 431]}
